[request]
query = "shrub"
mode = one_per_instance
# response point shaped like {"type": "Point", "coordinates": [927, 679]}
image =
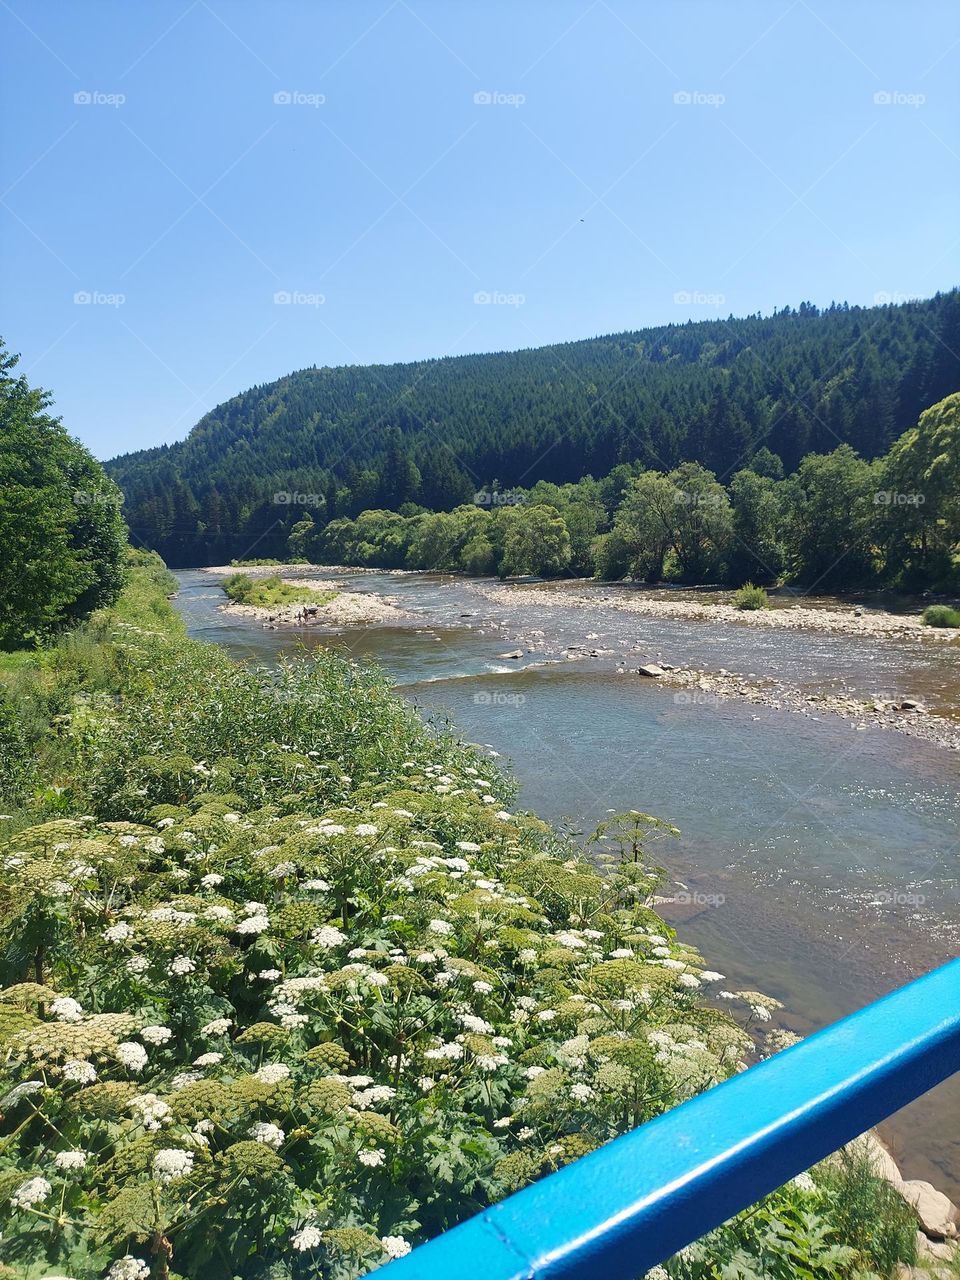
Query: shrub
{"type": "Point", "coordinates": [751, 597]}
{"type": "Point", "coordinates": [940, 615]}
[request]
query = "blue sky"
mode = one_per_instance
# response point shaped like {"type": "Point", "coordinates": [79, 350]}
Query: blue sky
{"type": "Point", "coordinates": [234, 189]}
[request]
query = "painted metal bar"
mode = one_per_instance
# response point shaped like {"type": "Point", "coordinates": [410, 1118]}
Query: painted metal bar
{"type": "Point", "coordinates": [634, 1202]}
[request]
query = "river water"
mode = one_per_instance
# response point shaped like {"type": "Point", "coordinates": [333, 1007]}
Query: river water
{"type": "Point", "coordinates": [819, 862]}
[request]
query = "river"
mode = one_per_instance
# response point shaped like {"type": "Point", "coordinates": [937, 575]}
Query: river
{"type": "Point", "coordinates": [818, 862]}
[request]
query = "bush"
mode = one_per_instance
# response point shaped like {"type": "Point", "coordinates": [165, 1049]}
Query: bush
{"type": "Point", "coordinates": [940, 615]}
{"type": "Point", "coordinates": [751, 597]}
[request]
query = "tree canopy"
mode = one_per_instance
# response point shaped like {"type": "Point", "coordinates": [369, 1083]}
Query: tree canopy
{"type": "Point", "coordinates": [62, 536]}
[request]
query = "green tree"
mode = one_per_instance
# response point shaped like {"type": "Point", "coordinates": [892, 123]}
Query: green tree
{"type": "Point", "coordinates": [919, 499]}
{"type": "Point", "coordinates": [646, 524]}
{"type": "Point", "coordinates": [756, 551]}
{"type": "Point", "coordinates": [831, 519]}
{"type": "Point", "coordinates": [537, 543]}
{"type": "Point", "coordinates": [62, 536]}
{"type": "Point", "coordinates": [704, 522]}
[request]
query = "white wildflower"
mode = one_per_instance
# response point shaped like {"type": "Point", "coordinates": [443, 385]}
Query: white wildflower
{"type": "Point", "coordinates": [327, 936]}
{"type": "Point", "coordinates": [372, 1159]}
{"type": "Point", "coordinates": [79, 1070]}
{"type": "Point", "coordinates": [307, 1238]}
{"type": "Point", "coordinates": [171, 1163]}
{"type": "Point", "coordinates": [132, 1055]}
{"type": "Point", "coordinates": [208, 1060]}
{"type": "Point", "coordinates": [218, 1027]}
{"type": "Point", "coordinates": [395, 1246]}
{"type": "Point", "coordinates": [253, 924]}
{"type": "Point", "coordinates": [156, 1035]}
{"type": "Point", "coordinates": [70, 1159]}
{"type": "Point", "coordinates": [128, 1267]}
{"type": "Point", "coordinates": [117, 933]}
{"type": "Point", "coordinates": [443, 927]}
{"type": "Point", "coordinates": [211, 881]}
{"type": "Point", "coordinates": [66, 1009]}
{"type": "Point", "coordinates": [272, 1072]}
{"type": "Point", "coordinates": [34, 1191]}
{"type": "Point", "coordinates": [270, 1135]}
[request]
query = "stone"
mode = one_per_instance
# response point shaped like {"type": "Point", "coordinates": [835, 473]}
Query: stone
{"type": "Point", "coordinates": [881, 1161]}
{"type": "Point", "coordinates": [514, 653]}
{"type": "Point", "coordinates": [651, 669]}
{"type": "Point", "coordinates": [938, 1215]}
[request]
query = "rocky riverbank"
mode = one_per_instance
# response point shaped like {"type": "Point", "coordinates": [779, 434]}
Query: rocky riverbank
{"type": "Point", "coordinates": [904, 715]}
{"type": "Point", "coordinates": [856, 620]}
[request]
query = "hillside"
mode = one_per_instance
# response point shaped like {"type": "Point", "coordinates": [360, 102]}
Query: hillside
{"type": "Point", "coordinates": [345, 439]}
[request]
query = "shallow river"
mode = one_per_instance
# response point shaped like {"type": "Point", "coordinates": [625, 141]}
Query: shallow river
{"type": "Point", "coordinates": [821, 861]}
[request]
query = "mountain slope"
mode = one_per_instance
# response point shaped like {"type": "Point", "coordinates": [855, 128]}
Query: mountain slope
{"type": "Point", "coordinates": [435, 431]}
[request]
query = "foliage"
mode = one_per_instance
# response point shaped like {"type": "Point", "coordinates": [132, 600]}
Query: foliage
{"type": "Point", "coordinates": [751, 597]}
{"type": "Point", "coordinates": [329, 443]}
{"type": "Point", "coordinates": [272, 591]}
{"type": "Point", "coordinates": [61, 533]}
{"type": "Point", "coordinates": [940, 615]}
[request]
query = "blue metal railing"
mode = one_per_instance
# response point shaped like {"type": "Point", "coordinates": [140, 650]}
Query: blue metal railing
{"type": "Point", "coordinates": [636, 1201]}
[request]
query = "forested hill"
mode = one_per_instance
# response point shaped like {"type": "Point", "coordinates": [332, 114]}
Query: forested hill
{"type": "Point", "coordinates": [341, 440]}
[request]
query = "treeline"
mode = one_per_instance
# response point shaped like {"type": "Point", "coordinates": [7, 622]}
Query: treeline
{"type": "Point", "coordinates": [838, 521]}
{"type": "Point", "coordinates": [338, 441]}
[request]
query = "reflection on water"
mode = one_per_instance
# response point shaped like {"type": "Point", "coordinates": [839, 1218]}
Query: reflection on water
{"type": "Point", "coordinates": [830, 855]}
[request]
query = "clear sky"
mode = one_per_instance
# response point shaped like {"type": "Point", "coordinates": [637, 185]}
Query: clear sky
{"type": "Point", "coordinates": [585, 167]}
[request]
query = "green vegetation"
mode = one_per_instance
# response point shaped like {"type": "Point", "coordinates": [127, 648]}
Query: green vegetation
{"type": "Point", "coordinates": [837, 522]}
{"type": "Point", "coordinates": [941, 615]}
{"type": "Point", "coordinates": [751, 597]}
{"type": "Point", "coordinates": [272, 591]}
{"type": "Point", "coordinates": [62, 537]}
{"type": "Point", "coordinates": [287, 987]}
{"type": "Point", "coordinates": [255, 564]}
{"type": "Point", "coordinates": [333, 442]}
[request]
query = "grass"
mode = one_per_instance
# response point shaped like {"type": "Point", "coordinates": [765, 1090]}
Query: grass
{"type": "Point", "coordinates": [256, 564]}
{"type": "Point", "coordinates": [940, 615]}
{"type": "Point", "coordinates": [271, 591]}
{"type": "Point", "coordinates": [751, 597]}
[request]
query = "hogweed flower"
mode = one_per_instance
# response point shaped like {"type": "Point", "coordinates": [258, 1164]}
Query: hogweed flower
{"type": "Point", "coordinates": [29, 1193]}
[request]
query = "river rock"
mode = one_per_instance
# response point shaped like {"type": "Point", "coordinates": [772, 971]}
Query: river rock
{"type": "Point", "coordinates": [651, 669]}
{"type": "Point", "coordinates": [881, 1161]}
{"type": "Point", "coordinates": [938, 1215]}
{"type": "Point", "coordinates": [514, 653]}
